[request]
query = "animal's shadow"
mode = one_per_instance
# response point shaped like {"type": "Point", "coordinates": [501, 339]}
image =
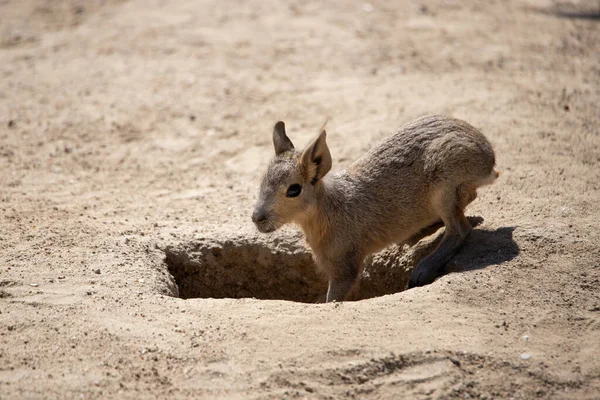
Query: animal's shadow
{"type": "Point", "coordinates": [389, 272]}
{"type": "Point", "coordinates": [570, 11]}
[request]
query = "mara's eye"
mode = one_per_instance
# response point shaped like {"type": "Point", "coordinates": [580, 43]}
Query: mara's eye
{"type": "Point", "coordinates": [294, 190]}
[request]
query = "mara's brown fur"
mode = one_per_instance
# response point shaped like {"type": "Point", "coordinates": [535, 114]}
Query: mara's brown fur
{"type": "Point", "coordinates": [424, 175]}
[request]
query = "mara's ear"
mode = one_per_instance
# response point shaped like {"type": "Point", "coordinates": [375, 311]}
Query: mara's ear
{"type": "Point", "coordinates": [281, 142]}
{"type": "Point", "coordinates": [316, 159]}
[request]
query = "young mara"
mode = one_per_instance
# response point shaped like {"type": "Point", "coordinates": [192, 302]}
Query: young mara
{"type": "Point", "coordinates": [427, 172]}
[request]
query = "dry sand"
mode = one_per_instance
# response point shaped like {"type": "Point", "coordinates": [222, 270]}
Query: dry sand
{"type": "Point", "coordinates": [134, 129]}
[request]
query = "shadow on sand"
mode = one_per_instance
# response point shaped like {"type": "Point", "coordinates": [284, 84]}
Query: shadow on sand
{"type": "Point", "coordinates": [571, 12]}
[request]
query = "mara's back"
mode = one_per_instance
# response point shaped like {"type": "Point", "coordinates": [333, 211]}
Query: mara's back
{"type": "Point", "coordinates": [435, 148]}
{"type": "Point", "coordinates": [394, 180]}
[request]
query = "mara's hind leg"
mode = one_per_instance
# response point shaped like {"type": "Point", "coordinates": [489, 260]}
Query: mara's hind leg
{"type": "Point", "coordinates": [447, 202]}
{"type": "Point", "coordinates": [466, 193]}
{"type": "Point", "coordinates": [427, 231]}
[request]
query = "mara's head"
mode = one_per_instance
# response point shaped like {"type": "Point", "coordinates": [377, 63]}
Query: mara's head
{"type": "Point", "coordinates": [288, 192]}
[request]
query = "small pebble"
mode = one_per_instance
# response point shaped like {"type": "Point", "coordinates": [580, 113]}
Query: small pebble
{"type": "Point", "coordinates": [61, 277]}
{"type": "Point", "coordinates": [526, 338]}
{"type": "Point", "coordinates": [34, 284]}
{"type": "Point", "coordinates": [97, 271]}
{"type": "Point", "coordinates": [525, 356]}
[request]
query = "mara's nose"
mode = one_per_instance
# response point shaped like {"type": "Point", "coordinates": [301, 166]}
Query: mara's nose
{"type": "Point", "coordinates": [258, 217]}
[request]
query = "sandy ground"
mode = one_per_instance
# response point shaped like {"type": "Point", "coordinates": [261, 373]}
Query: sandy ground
{"type": "Point", "coordinates": [128, 128]}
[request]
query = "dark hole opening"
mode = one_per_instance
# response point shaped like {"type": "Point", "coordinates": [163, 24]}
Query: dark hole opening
{"type": "Point", "coordinates": [281, 268]}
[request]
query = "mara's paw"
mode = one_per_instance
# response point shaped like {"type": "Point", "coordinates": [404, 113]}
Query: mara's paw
{"type": "Point", "coordinates": [422, 275]}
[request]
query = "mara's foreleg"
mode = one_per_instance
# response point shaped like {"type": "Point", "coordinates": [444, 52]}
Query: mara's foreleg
{"type": "Point", "coordinates": [343, 276]}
